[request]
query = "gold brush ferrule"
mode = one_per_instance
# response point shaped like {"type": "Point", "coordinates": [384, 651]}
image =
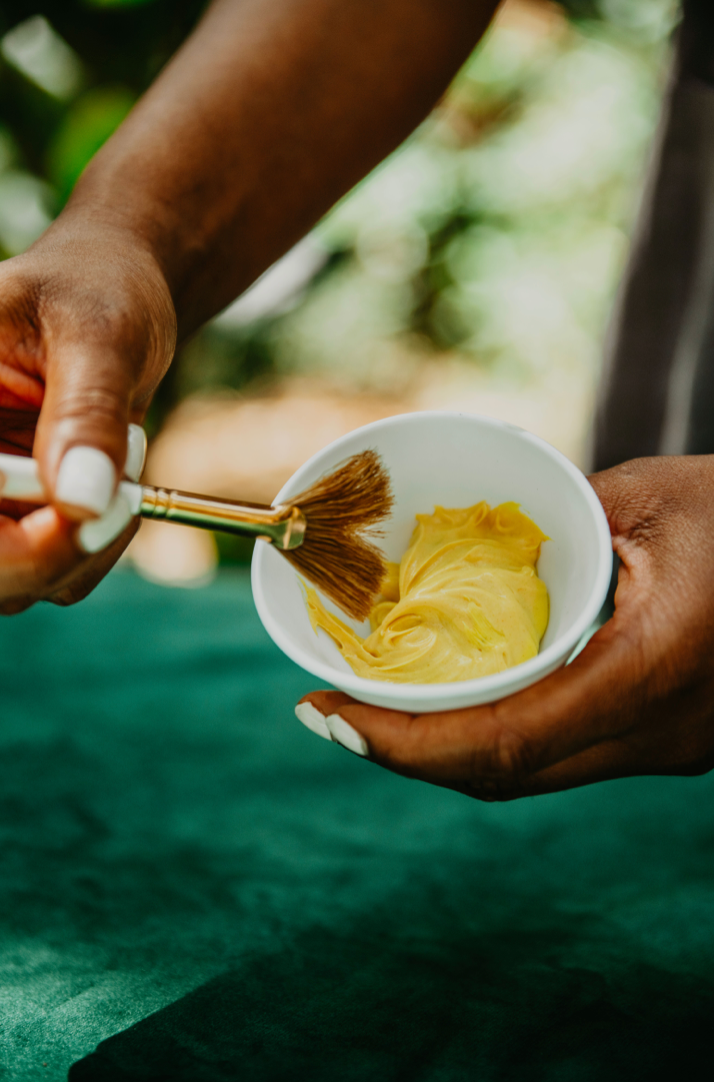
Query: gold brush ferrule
{"type": "Point", "coordinates": [283, 526]}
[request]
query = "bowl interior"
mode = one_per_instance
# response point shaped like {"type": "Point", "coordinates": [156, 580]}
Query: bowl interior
{"type": "Point", "coordinates": [454, 460]}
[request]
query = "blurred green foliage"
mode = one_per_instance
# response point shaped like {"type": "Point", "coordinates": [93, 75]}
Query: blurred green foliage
{"type": "Point", "coordinates": [81, 133]}
{"type": "Point", "coordinates": [498, 231]}
{"type": "Point", "coordinates": [70, 70]}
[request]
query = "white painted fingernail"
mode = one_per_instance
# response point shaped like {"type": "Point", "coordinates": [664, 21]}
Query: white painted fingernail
{"type": "Point", "coordinates": [311, 717]}
{"type": "Point", "coordinates": [20, 479]}
{"type": "Point", "coordinates": [86, 479]}
{"type": "Point", "coordinates": [343, 733]}
{"type": "Point", "coordinates": [95, 535]}
{"type": "Point", "coordinates": [135, 452]}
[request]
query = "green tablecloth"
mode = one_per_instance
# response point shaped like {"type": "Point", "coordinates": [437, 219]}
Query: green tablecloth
{"type": "Point", "coordinates": [194, 887]}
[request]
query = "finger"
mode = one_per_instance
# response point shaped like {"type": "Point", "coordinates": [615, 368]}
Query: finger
{"type": "Point", "coordinates": [15, 508]}
{"type": "Point", "coordinates": [36, 553]}
{"type": "Point", "coordinates": [97, 534]}
{"type": "Point", "coordinates": [17, 430]}
{"type": "Point", "coordinates": [618, 758]}
{"type": "Point", "coordinates": [505, 743]}
{"type": "Point", "coordinates": [136, 450]}
{"type": "Point", "coordinates": [81, 442]}
{"type": "Point", "coordinates": [604, 762]}
{"type": "Point", "coordinates": [18, 591]}
{"type": "Point", "coordinates": [82, 582]}
{"type": "Point", "coordinates": [432, 747]}
{"type": "Point", "coordinates": [337, 717]}
{"type": "Point", "coordinates": [313, 709]}
{"type": "Point", "coordinates": [19, 491]}
{"type": "Point", "coordinates": [41, 560]}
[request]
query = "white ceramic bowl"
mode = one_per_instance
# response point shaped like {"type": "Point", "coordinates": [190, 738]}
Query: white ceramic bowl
{"type": "Point", "coordinates": [453, 459]}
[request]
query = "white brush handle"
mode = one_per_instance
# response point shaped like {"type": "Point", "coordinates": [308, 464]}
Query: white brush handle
{"type": "Point", "coordinates": [20, 480]}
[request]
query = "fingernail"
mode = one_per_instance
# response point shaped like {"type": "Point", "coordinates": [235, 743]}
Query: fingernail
{"type": "Point", "coordinates": [95, 535]}
{"type": "Point", "coordinates": [135, 453]}
{"type": "Point", "coordinates": [343, 733]}
{"type": "Point", "coordinates": [311, 717]}
{"type": "Point", "coordinates": [86, 479]}
{"type": "Point", "coordinates": [20, 479]}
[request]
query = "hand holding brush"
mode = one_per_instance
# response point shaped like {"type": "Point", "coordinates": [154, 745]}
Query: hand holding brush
{"type": "Point", "coordinates": [326, 532]}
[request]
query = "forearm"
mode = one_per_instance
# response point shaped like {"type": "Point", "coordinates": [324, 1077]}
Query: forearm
{"type": "Point", "coordinates": [269, 113]}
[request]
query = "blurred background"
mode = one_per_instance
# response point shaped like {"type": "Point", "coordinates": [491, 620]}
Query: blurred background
{"type": "Point", "coordinates": [474, 269]}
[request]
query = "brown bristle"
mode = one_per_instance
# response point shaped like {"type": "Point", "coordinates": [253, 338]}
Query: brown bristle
{"type": "Point", "coordinates": [336, 555]}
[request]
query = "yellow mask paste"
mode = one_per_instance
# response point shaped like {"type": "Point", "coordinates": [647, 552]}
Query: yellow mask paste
{"type": "Point", "coordinates": [464, 602]}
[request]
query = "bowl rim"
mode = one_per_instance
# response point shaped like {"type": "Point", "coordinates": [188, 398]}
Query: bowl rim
{"type": "Point", "coordinates": [486, 687]}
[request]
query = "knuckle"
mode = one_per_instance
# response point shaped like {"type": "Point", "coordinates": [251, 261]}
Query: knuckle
{"type": "Point", "coordinates": [64, 598]}
{"type": "Point", "coordinates": [98, 414]}
{"type": "Point", "coordinates": [109, 319]}
{"type": "Point", "coordinates": [502, 763]}
{"type": "Point", "coordinates": [695, 755]}
{"type": "Point", "coordinates": [75, 592]}
{"type": "Point", "coordinates": [394, 756]}
{"type": "Point", "coordinates": [134, 312]}
{"type": "Point", "coordinates": [117, 324]}
{"type": "Point", "coordinates": [14, 606]}
{"type": "Point", "coordinates": [22, 587]}
{"type": "Point", "coordinates": [404, 752]}
{"type": "Point", "coordinates": [43, 574]}
{"type": "Point", "coordinates": [696, 770]}
{"type": "Point", "coordinates": [512, 757]}
{"type": "Point", "coordinates": [492, 791]}
{"type": "Point", "coordinates": [38, 575]}
{"type": "Point", "coordinates": [87, 305]}
{"type": "Point", "coordinates": [105, 402]}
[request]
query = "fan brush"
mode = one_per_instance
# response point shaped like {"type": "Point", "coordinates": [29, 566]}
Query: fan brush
{"type": "Point", "coordinates": [327, 532]}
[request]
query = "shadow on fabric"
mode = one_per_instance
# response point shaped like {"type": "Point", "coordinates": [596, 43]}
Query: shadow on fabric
{"type": "Point", "coordinates": [332, 1008]}
{"type": "Point", "coordinates": [171, 838]}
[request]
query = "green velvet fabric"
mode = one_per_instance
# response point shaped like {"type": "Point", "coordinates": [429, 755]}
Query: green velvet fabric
{"type": "Point", "coordinates": [194, 888]}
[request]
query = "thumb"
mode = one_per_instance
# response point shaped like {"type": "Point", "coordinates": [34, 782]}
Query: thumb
{"type": "Point", "coordinates": [81, 441]}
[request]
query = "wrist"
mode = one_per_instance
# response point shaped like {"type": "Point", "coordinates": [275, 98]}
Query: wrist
{"type": "Point", "coordinates": [115, 198]}
{"type": "Point", "coordinates": [89, 230]}
{"type": "Point", "coordinates": [98, 278]}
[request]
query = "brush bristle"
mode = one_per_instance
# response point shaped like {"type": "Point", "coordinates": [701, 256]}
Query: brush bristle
{"type": "Point", "coordinates": [336, 555]}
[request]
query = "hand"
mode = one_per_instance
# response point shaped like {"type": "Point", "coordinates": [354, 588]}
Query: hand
{"type": "Point", "coordinates": [638, 700]}
{"type": "Point", "coordinates": [87, 330]}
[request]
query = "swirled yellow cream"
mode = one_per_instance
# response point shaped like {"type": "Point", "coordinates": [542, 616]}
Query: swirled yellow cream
{"type": "Point", "coordinates": [465, 601]}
